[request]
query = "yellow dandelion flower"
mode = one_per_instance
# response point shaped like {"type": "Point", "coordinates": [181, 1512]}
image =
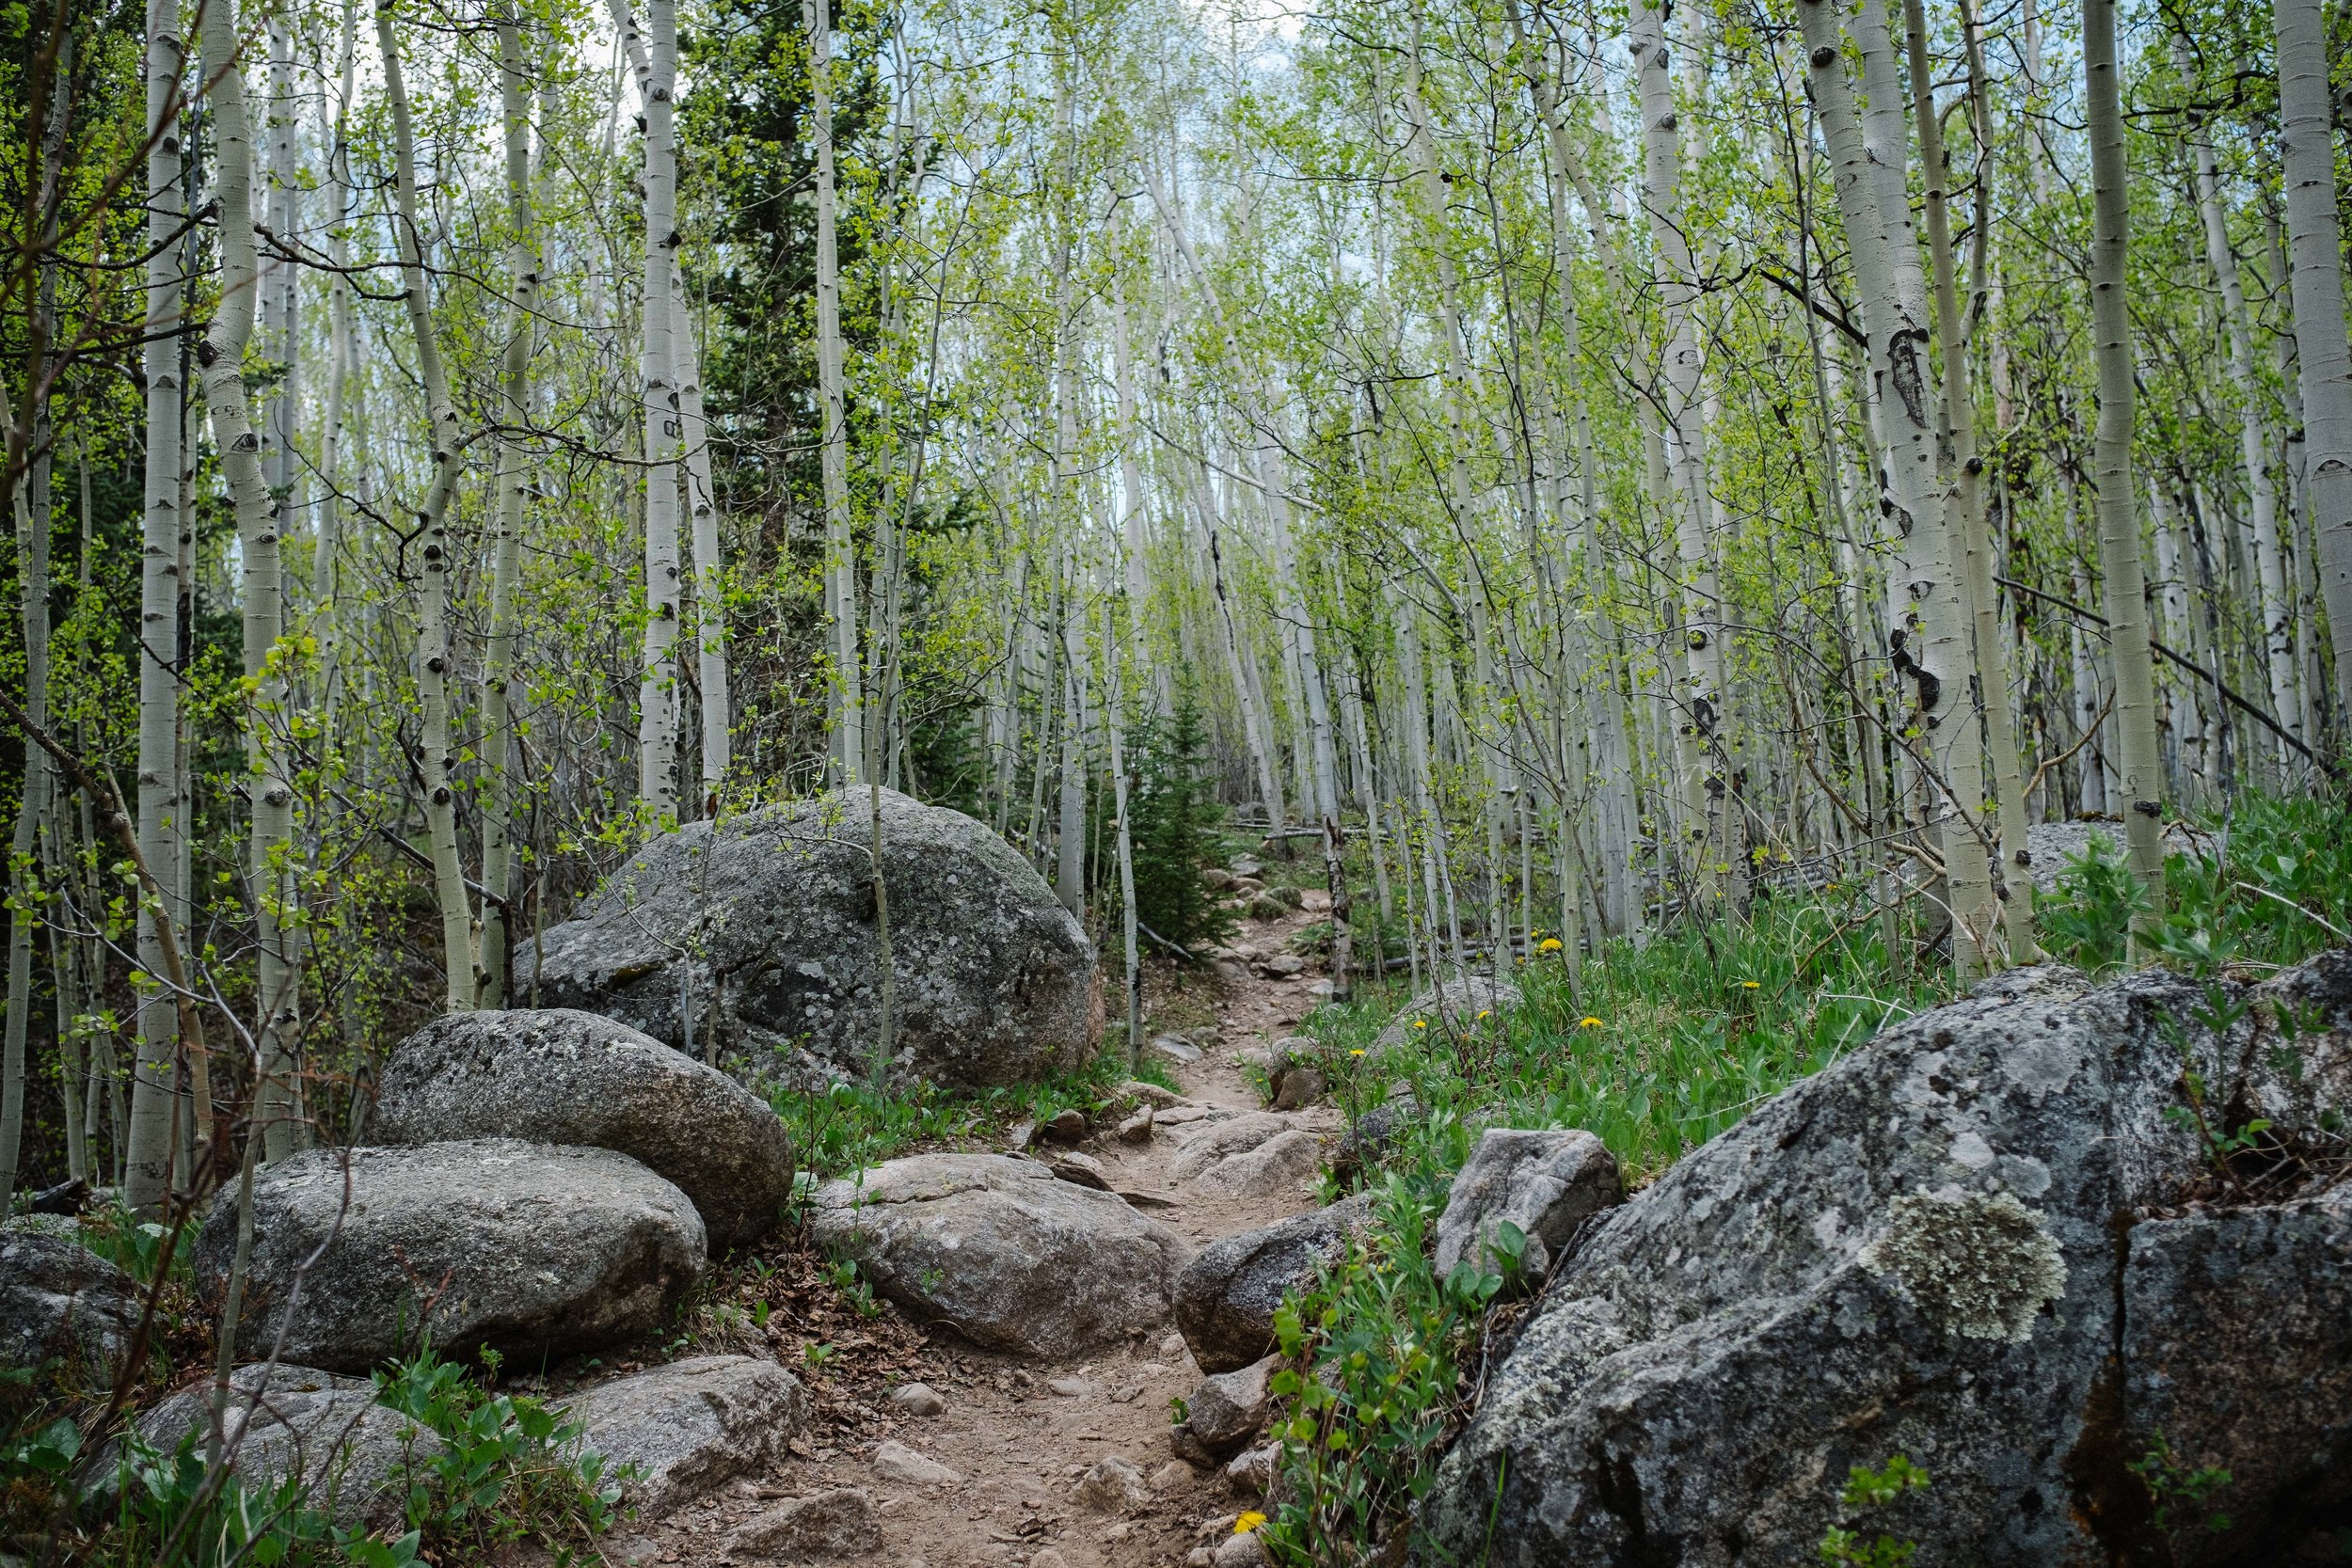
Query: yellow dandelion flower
{"type": "Point", "coordinates": [1749, 985]}
{"type": "Point", "coordinates": [1420, 1024]}
{"type": "Point", "coordinates": [1588, 1021]}
{"type": "Point", "coordinates": [1248, 1522]}
{"type": "Point", "coordinates": [1356, 1053]}
{"type": "Point", "coordinates": [1549, 944]}
{"type": "Point", "coordinates": [1487, 1013]}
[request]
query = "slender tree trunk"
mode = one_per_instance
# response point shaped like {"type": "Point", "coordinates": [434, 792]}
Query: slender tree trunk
{"type": "Point", "coordinates": [710, 617]}
{"type": "Point", "coordinates": [510, 489]}
{"type": "Point", "coordinates": [326, 549]}
{"type": "Point", "coordinates": [2139, 758]}
{"type": "Point", "coordinates": [1886, 270]}
{"type": "Point", "coordinates": [2325, 354]}
{"type": "Point", "coordinates": [841, 606]}
{"type": "Point", "coordinates": [437, 744]}
{"type": "Point", "coordinates": [658, 686]}
{"type": "Point", "coordinates": [2012, 883]}
{"type": "Point", "coordinates": [269, 872]}
{"type": "Point", "coordinates": [147, 1150]}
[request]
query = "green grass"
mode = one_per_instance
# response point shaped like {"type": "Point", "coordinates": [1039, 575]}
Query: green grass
{"type": "Point", "coordinates": [854, 1124]}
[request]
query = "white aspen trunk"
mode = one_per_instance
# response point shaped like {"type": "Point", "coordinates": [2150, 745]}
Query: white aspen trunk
{"type": "Point", "coordinates": [1114, 724]}
{"type": "Point", "coordinates": [2325, 354]}
{"type": "Point", "coordinates": [710, 621]}
{"type": "Point", "coordinates": [436, 744]}
{"type": "Point", "coordinates": [509, 490]}
{"type": "Point", "coordinates": [27, 845]}
{"type": "Point", "coordinates": [327, 546]}
{"type": "Point", "coordinates": [2139, 759]}
{"type": "Point", "coordinates": [841, 543]}
{"type": "Point", "coordinates": [2277, 606]}
{"type": "Point", "coordinates": [1071, 815]}
{"type": "Point", "coordinates": [269, 847]}
{"type": "Point", "coordinates": [1887, 277]}
{"type": "Point", "coordinates": [1132, 545]}
{"type": "Point", "coordinates": [146, 1153]}
{"type": "Point", "coordinates": [2011, 881]}
{"type": "Point", "coordinates": [2090, 795]}
{"type": "Point", "coordinates": [280, 280]}
{"type": "Point", "coordinates": [1684, 498]}
{"type": "Point", "coordinates": [656, 691]}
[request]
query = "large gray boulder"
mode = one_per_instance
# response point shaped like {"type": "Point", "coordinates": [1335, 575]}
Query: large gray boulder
{"type": "Point", "coordinates": [690, 1426]}
{"type": "Point", "coordinates": [61, 1302]}
{"type": "Point", "coordinates": [356, 1458]}
{"type": "Point", "coordinates": [537, 1252]}
{"type": "Point", "coordinates": [557, 1076]}
{"type": "Point", "coordinates": [1547, 1182]}
{"type": "Point", "coordinates": [1225, 1296]}
{"type": "Point", "coordinates": [1990, 1240]}
{"type": "Point", "coordinates": [762, 930]}
{"type": "Point", "coordinates": [1001, 1250]}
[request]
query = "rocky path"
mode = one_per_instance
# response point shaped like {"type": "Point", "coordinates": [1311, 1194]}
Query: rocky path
{"type": "Point", "coordinates": [1017, 1463]}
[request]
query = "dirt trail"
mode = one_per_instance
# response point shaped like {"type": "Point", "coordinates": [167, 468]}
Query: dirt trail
{"type": "Point", "coordinates": [1020, 1433]}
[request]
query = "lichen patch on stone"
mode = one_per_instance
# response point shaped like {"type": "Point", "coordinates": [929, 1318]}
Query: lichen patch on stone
{"type": "Point", "coordinates": [1984, 1267]}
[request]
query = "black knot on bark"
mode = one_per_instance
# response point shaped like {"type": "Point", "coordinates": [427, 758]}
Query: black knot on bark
{"type": "Point", "coordinates": [2147, 808]}
{"type": "Point", "coordinates": [1822, 57]}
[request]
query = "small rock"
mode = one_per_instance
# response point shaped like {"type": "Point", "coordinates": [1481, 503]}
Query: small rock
{"type": "Point", "coordinates": [632, 1551]}
{"type": "Point", "coordinates": [1298, 1088]}
{"type": "Point", "coordinates": [1251, 1471]}
{"type": "Point", "coordinates": [1173, 1476]}
{"type": "Point", "coordinates": [1069, 1127]}
{"type": "Point", "coordinates": [916, 1398]}
{"type": "Point", "coordinates": [839, 1523]}
{"type": "Point", "coordinates": [1136, 1129]}
{"type": "Point", "coordinates": [1264, 905]}
{"type": "Point", "coordinates": [1217, 878]}
{"type": "Point", "coordinates": [1048, 1557]}
{"type": "Point", "coordinates": [1150, 1094]}
{"type": "Point", "coordinates": [1284, 965]}
{"type": "Point", "coordinates": [1225, 1412]}
{"type": "Point", "coordinates": [1020, 1135]}
{"type": "Point", "coordinates": [1113, 1485]}
{"type": "Point", "coordinates": [1201, 1557]}
{"type": "Point", "coordinates": [1233, 974]}
{"type": "Point", "coordinates": [1225, 1296]}
{"type": "Point", "coordinates": [1240, 1551]}
{"type": "Point", "coordinates": [1249, 885]}
{"type": "Point", "coordinates": [1072, 1388]}
{"type": "Point", "coordinates": [1249, 865]}
{"type": "Point", "coordinates": [1175, 1046]}
{"type": "Point", "coordinates": [689, 1426]}
{"type": "Point", "coordinates": [1084, 1169]}
{"type": "Point", "coordinates": [1174, 1349]}
{"type": "Point", "coordinates": [1289, 897]}
{"type": "Point", "coordinates": [1322, 991]}
{"type": "Point", "coordinates": [894, 1461]}
{"type": "Point", "coordinates": [1547, 1182]}
{"type": "Point", "coordinates": [1128, 1394]}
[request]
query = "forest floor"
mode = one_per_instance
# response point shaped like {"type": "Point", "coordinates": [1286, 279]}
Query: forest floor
{"type": "Point", "coordinates": [1017, 1433]}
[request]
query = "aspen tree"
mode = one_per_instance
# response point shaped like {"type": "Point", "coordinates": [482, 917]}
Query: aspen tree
{"type": "Point", "coordinates": [841, 606]}
{"type": "Point", "coordinates": [1966, 521]}
{"type": "Point", "coordinates": [656, 60]}
{"type": "Point", "coordinates": [2307, 145]}
{"type": "Point", "coordinates": [327, 541]}
{"type": "Point", "coordinates": [146, 1152]}
{"type": "Point", "coordinates": [2277, 609]}
{"type": "Point", "coordinates": [435, 743]}
{"type": "Point", "coordinates": [269, 850]}
{"type": "Point", "coordinates": [1886, 268]}
{"type": "Point", "coordinates": [1700, 705]}
{"type": "Point", "coordinates": [510, 488]}
{"type": "Point", "coordinates": [2140, 764]}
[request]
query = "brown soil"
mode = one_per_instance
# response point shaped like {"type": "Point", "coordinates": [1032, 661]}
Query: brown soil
{"type": "Point", "coordinates": [1019, 1432]}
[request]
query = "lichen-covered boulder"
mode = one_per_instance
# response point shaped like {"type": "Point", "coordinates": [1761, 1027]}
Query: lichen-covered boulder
{"type": "Point", "coordinates": [1545, 1180]}
{"type": "Point", "coordinates": [1458, 1007]}
{"type": "Point", "coordinates": [1991, 1241]}
{"type": "Point", "coordinates": [560, 1076]}
{"type": "Point", "coordinates": [760, 931]}
{"type": "Point", "coordinates": [1003, 1251]}
{"type": "Point", "coordinates": [537, 1252]}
